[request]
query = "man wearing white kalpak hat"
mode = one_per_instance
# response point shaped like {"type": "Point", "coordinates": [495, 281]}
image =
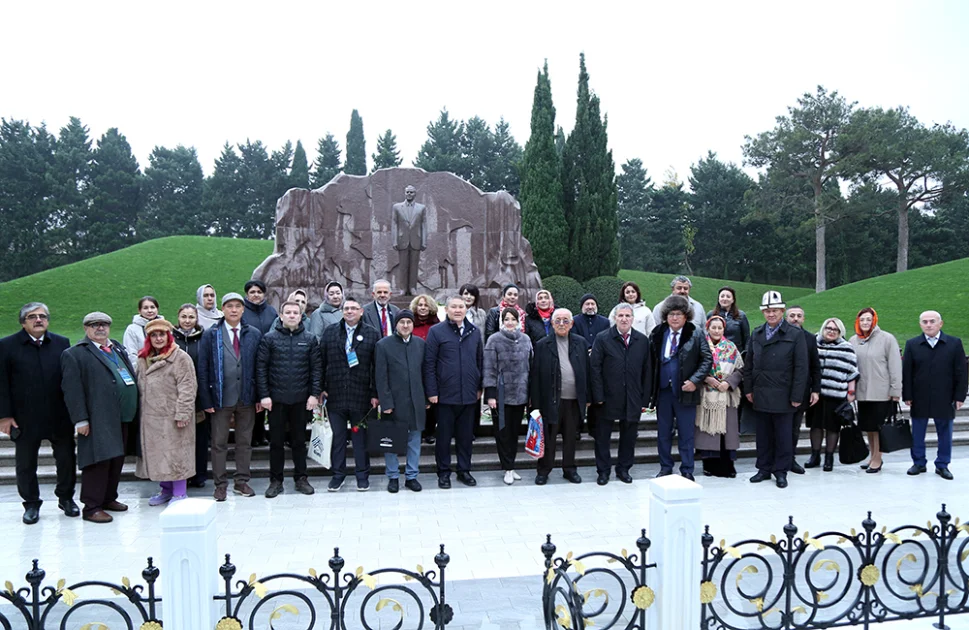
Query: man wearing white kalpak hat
{"type": "Point", "coordinates": [775, 377]}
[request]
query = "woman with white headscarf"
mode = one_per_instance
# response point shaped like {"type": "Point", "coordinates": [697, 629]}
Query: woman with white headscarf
{"type": "Point", "coordinates": [206, 301]}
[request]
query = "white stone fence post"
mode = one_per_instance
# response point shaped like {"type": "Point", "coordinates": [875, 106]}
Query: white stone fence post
{"type": "Point", "coordinates": [190, 576]}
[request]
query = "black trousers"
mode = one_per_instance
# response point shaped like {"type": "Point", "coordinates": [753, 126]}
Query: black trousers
{"type": "Point", "coordinates": [340, 421]}
{"type": "Point", "coordinates": [774, 446]}
{"type": "Point", "coordinates": [202, 431]}
{"type": "Point", "coordinates": [568, 426]}
{"type": "Point", "coordinates": [26, 456]}
{"type": "Point", "coordinates": [454, 422]}
{"type": "Point", "coordinates": [627, 444]}
{"type": "Point", "coordinates": [99, 482]}
{"type": "Point", "coordinates": [259, 428]}
{"type": "Point", "coordinates": [796, 421]}
{"type": "Point", "coordinates": [430, 422]}
{"type": "Point", "coordinates": [288, 422]}
{"type": "Point", "coordinates": [507, 439]}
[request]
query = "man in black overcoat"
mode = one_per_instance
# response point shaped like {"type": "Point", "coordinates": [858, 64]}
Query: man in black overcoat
{"type": "Point", "coordinates": [795, 317]}
{"type": "Point", "coordinates": [934, 383]}
{"type": "Point", "coordinates": [32, 408]}
{"type": "Point", "coordinates": [621, 387]}
{"type": "Point", "coordinates": [559, 387]}
{"type": "Point", "coordinates": [102, 398]}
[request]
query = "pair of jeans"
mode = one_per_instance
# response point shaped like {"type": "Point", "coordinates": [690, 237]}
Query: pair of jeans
{"type": "Point", "coordinates": [670, 411]}
{"type": "Point", "coordinates": [413, 458]}
{"type": "Point", "coordinates": [943, 428]}
{"type": "Point", "coordinates": [287, 422]}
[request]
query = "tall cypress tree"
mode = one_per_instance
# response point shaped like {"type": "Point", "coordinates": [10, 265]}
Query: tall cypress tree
{"type": "Point", "coordinates": [299, 174]}
{"type": "Point", "coordinates": [543, 220]}
{"type": "Point", "coordinates": [327, 164]}
{"type": "Point", "coordinates": [387, 155]}
{"type": "Point", "coordinates": [589, 190]}
{"type": "Point", "coordinates": [356, 163]}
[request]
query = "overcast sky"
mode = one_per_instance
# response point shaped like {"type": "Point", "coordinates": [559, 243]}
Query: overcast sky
{"type": "Point", "coordinates": [676, 78]}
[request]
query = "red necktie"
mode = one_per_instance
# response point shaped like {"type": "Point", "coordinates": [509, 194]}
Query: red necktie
{"type": "Point", "coordinates": [107, 349]}
{"type": "Point", "coordinates": [235, 341]}
{"type": "Point", "coordinates": [38, 342]}
{"type": "Point", "coordinates": [383, 321]}
{"type": "Point", "coordinates": [625, 339]}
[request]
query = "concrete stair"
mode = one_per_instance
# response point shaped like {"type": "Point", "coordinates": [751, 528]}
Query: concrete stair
{"type": "Point", "coordinates": [485, 455]}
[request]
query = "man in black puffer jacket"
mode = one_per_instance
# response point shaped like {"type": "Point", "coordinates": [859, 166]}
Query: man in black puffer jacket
{"type": "Point", "coordinates": [288, 378]}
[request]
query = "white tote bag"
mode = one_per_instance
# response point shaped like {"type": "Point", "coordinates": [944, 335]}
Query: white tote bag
{"type": "Point", "coordinates": [321, 437]}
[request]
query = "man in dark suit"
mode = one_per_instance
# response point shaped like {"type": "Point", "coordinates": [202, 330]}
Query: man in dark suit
{"type": "Point", "coordinates": [621, 387]}
{"type": "Point", "coordinates": [795, 317]}
{"type": "Point", "coordinates": [934, 383]}
{"type": "Point", "coordinates": [102, 398]}
{"type": "Point", "coordinates": [380, 313]}
{"type": "Point", "coordinates": [409, 229]}
{"type": "Point", "coordinates": [350, 390]}
{"type": "Point", "coordinates": [32, 408]}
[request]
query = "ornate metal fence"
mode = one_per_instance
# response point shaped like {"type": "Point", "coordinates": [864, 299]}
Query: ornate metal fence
{"type": "Point", "coordinates": [565, 604]}
{"type": "Point", "coordinates": [39, 608]}
{"type": "Point", "coordinates": [836, 579]}
{"type": "Point", "coordinates": [341, 596]}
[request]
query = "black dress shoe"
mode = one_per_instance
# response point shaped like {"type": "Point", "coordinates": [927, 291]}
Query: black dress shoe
{"type": "Point", "coordinates": [31, 514]}
{"type": "Point", "coordinates": [467, 479]}
{"type": "Point", "coordinates": [828, 462]}
{"type": "Point", "coordinates": [413, 485]}
{"type": "Point", "coordinates": [915, 470]}
{"type": "Point", "coordinates": [688, 476]}
{"type": "Point", "coordinates": [781, 480]}
{"type": "Point", "coordinates": [429, 440]}
{"type": "Point", "coordinates": [872, 470]}
{"type": "Point", "coordinates": [663, 473]}
{"type": "Point", "coordinates": [69, 507]}
{"type": "Point", "coordinates": [796, 468]}
{"type": "Point", "coordinates": [196, 483]}
{"type": "Point", "coordinates": [602, 479]}
{"type": "Point", "coordinates": [623, 476]}
{"type": "Point", "coordinates": [393, 486]}
{"type": "Point", "coordinates": [944, 473]}
{"type": "Point", "coordinates": [444, 482]}
{"type": "Point", "coordinates": [541, 480]}
{"type": "Point", "coordinates": [572, 477]}
{"type": "Point", "coordinates": [761, 475]}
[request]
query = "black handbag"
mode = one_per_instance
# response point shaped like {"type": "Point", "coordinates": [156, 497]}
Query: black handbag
{"type": "Point", "coordinates": [387, 435]}
{"type": "Point", "coordinates": [846, 413]}
{"type": "Point", "coordinates": [852, 448]}
{"type": "Point", "coordinates": [895, 434]}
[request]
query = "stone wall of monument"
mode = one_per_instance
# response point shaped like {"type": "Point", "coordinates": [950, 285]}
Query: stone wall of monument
{"type": "Point", "coordinates": [342, 232]}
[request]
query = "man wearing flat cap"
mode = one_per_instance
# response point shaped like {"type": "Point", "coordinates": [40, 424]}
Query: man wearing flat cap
{"type": "Point", "coordinates": [102, 400]}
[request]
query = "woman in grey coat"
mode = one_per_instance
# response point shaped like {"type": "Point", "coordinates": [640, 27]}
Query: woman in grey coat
{"type": "Point", "coordinates": [507, 361]}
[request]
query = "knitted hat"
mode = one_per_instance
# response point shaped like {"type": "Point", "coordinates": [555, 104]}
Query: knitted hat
{"type": "Point", "coordinates": [232, 295]}
{"type": "Point", "coordinates": [96, 317]}
{"type": "Point", "coordinates": [404, 313]}
{"type": "Point", "coordinates": [158, 324]}
{"type": "Point", "coordinates": [586, 298]}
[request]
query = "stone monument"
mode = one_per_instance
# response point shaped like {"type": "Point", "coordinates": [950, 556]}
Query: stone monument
{"type": "Point", "coordinates": [357, 229]}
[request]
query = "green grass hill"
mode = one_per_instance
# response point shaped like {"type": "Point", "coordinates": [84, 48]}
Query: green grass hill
{"type": "Point", "coordinates": [171, 269]}
{"type": "Point", "coordinates": [656, 286]}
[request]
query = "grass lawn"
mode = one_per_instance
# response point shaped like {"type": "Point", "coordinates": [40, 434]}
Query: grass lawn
{"type": "Point", "coordinates": [171, 269]}
{"type": "Point", "coordinates": [656, 286]}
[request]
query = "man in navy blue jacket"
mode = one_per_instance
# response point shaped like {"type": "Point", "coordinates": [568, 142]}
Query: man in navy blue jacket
{"type": "Point", "coordinates": [227, 387]}
{"type": "Point", "coordinates": [453, 358]}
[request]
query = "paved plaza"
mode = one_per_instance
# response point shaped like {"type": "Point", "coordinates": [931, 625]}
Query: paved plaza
{"type": "Point", "coordinates": [493, 533]}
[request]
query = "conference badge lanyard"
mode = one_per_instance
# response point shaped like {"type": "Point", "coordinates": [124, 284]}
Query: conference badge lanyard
{"type": "Point", "coordinates": [123, 372]}
{"type": "Point", "coordinates": [352, 359]}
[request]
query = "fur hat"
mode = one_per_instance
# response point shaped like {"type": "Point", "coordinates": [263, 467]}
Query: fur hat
{"type": "Point", "coordinates": [158, 324]}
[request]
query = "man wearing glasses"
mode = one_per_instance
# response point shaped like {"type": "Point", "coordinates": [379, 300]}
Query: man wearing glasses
{"type": "Point", "coordinates": [32, 408]}
{"type": "Point", "coordinates": [102, 399]}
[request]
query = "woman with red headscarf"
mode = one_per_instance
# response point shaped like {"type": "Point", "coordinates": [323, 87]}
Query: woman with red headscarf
{"type": "Point", "coordinates": [880, 382]}
{"type": "Point", "coordinates": [166, 382]}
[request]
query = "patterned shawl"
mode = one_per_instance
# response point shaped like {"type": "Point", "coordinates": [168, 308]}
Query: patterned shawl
{"type": "Point", "coordinates": [712, 414]}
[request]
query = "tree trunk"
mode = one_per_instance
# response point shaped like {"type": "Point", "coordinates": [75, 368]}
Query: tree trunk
{"type": "Point", "coordinates": [820, 255]}
{"type": "Point", "coordinates": [902, 263]}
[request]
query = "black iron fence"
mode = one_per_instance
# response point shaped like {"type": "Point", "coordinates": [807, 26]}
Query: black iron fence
{"type": "Point", "coordinates": [40, 606]}
{"type": "Point", "coordinates": [580, 591]}
{"type": "Point", "coordinates": [388, 597]}
{"type": "Point", "coordinates": [835, 579]}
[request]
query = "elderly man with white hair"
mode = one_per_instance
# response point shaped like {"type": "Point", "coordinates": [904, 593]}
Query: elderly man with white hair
{"type": "Point", "coordinates": [934, 383]}
{"type": "Point", "coordinates": [559, 382]}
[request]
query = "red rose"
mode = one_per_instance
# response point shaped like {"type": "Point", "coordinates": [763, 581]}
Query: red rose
{"type": "Point", "coordinates": [356, 429]}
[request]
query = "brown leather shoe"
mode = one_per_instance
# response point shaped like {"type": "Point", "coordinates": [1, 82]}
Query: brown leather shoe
{"type": "Point", "coordinates": [219, 494]}
{"type": "Point", "coordinates": [98, 516]}
{"type": "Point", "coordinates": [243, 488]}
{"type": "Point", "coordinates": [114, 506]}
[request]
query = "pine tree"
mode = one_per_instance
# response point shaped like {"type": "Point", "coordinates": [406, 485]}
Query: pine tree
{"type": "Point", "coordinates": [589, 190]}
{"type": "Point", "coordinates": [260, 176]}
{"type": "Point", "coordinates": [356, 163]}
{"type": "Point", "coordinates": [70, 184]}
{"type": "Point", "coordinates": [387, 155]}
{"type": "Point", "coordinates": [116, 195]}
{"type": "Point", "coordinates": [504, 173]}
{"type": "Point", "coordinates": [173, 194]}
{"type": "Point", "coordinates": [477, 152]}
{"type": "Point", "coordinates": [327, 164]}
{"type": "Point", "coordinates": [717, 205]}
{"type": "Point", "coordinates": [299, 174]}
{"type": "Point", "coordinates": [222, 195]}
{"type": "Point", "coordinates": [634, 188]}
{"type": "Point", "coordinates": [543, 221]}
{"type": "Point", "coordinates": [442, 149]}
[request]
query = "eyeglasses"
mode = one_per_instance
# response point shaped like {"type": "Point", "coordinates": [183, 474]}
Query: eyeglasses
{"type": "Point", "coordinates": [561, 321]}
{"type": "Point", "coordinates": [99, 325]}
{"type": "Point", "coordinates": [830, 329]}
{"type": "Point", "coordinates": [38, 317]}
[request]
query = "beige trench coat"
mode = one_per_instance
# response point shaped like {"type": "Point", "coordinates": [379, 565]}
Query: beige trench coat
{"type": "Point", "coordinates": [168, 391]}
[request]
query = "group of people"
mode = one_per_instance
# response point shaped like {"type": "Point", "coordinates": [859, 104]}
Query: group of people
{"type": "Point", "coordinates": [171, 392]}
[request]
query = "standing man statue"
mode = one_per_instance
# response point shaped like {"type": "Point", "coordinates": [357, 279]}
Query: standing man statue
{"type": "Point", "coordinates": [409, 227]}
